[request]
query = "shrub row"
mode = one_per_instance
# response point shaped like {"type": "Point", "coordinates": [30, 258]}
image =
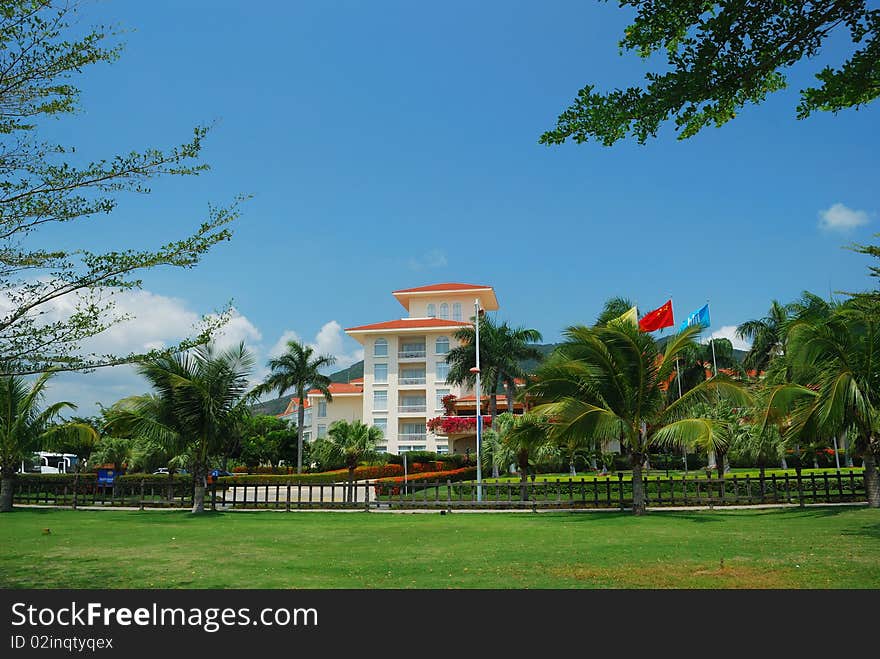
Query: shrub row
{"type": "Point", "coordinates": [392, 485]}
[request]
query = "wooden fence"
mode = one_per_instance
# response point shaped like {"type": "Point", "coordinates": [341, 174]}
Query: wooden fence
{"type": "Point", "coordinates": [611, 492]}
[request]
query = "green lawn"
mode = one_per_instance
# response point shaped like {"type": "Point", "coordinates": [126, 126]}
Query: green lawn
{"type": "Point", "coordinates": [794, 548]}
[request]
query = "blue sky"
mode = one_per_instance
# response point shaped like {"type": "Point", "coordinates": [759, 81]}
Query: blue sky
{"type": "Point", "coordinates": [393, 144]}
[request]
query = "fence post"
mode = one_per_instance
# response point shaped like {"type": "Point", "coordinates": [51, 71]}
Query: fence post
{"type": "Point", "coordinates": [366, 496]}
{"type": "Point", "coordinates": [620, 488]}
{"type": "Point", "coordinates": [800, 486]}
{"type": "Point", "coordinates": [448, 495]}
{"type": "Point", "coordinates": [287, 506]}
{"type": "Point", "coordinates": [142, 494]}
{"type": "Point", "coordinates": [213, 494]}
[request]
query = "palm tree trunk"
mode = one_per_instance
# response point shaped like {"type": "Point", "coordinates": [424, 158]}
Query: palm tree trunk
{"type": "Point", "coordinates": [301, 418]}
{"type": "Point", "coordinates": [510, 389]}
{"type": "Point", "coordinates": [523, 460]}
{"type": "Point", "coordinates": [493, 403]}
{"type": "Point", "coordinates": [872, 479]}
{"type": "Point", "coordinates": [199, 487]}
{"type": "Point", "coordinates": [638, 485]}
{"type": "Point", "coordinates": [7, 486]}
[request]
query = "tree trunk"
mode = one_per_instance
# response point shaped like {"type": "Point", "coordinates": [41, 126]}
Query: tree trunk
{"type": "Point", "coordinates": [523, 462]}
{"type": "Point", "coordinates": [872, 479]}
{"type": "Point", "coordinates": [199, 488]}
{"type": "Point", "coordinates": [719, 462]}
{"type": "Point", "coordinates": [638, 485]}
{"type": "Point", "coordinates": [511, 390]}
{"type": "Point", "coordinates": [301, 419]}
{"type": "Point", "coordinates": [495, 473]}
{"type": "Point", "coordinates": [7, 485]}
{"type": "Point", "coordinates": [349, 498]}
{"type": "Point", "coordinates": [784, 463]}
{"type": "Point", "coordinates": [571, 469]}
{"type": "Point", "coordinates": [493, 403]}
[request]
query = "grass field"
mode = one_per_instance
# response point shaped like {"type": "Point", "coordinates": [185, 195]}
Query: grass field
{"type": "Point", "coordinates": [832, 547]}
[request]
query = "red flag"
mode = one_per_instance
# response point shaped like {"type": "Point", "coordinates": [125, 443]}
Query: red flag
{"type": "Point", "coordinates": [660, 317]}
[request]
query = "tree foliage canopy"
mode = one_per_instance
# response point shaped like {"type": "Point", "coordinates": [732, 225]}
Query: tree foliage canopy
{"type": "Point", "coordinates": [721, 56]}
{"type": "Point", "coordinates": [48, 184]}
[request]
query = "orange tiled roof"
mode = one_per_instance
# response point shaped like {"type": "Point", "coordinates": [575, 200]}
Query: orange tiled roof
{"type": "Point", "coordinates": [356, 381]}
{"type": "Point", "coordinates": [291, 406]}
{"type": "Point", "coordinates": [409, 323]}
{"type": "Point", "coordinates": [442, 287]}
{"type": "Point", "coordinates": [341, 388]}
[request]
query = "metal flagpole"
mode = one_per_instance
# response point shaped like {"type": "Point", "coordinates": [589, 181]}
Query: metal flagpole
{"type": "Point", "coordinates": [479, 394]}
{"type": "Point", "coordinates": [712, 343]}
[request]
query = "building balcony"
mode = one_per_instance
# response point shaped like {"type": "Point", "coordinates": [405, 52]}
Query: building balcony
{"type": "Point", "coordinates": [411, 355]}
{"type": "Point", "coordinates": [457, 426]}
{"type": "Point", "coordinates": [409, 437]}
{"type": "Point", "coordinates": [405, 382]}
{"type": "Point", "coordinates": [412, 409]}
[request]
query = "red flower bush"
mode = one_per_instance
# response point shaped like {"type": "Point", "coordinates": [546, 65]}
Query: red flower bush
{"type": "Point", "coordinates": [393, 485]}
{"type": "Point", "coordinates": [456, 424]}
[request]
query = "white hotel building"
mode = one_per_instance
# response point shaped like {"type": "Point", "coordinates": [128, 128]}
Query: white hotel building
{"type": "Point", "coordinates": [405, 371]}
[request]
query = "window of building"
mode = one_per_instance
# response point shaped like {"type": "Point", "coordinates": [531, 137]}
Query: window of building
{"type": "Point", "coordinates": [444, 311]}
{"type": "Point", "coordinates": [381, 449]}
{"type": "Point", "coordinates": [442, 371]}
{"type": "Point", "coordinates": [380, 400]}
{"type": "Point", "coordinates": [322, 430]}
{"type": "Point", "coordinates": [380, 348]}
{"type": "Point", "coordinates": [380, 373]}
{"type": "Point", "coordinates": [442, 449]}
{"type": "Point", "coordinates": [438, 405]}
{"type": "Point", "coordinates": [381, 423]}
{"type": "Point", "coordinates": [432, 311]}
{"type": "Point", "coordinates": [322, 409]}
{"type": "Point", "coordinates": [406, 448]}
{"type": "Point", "coordinates": [456, 311]}
{"type": "Point", "coordinates": [441, 345]}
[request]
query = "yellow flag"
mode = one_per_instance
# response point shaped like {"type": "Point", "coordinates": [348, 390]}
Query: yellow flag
{"type": "Point", "coordinates": [631, 316]}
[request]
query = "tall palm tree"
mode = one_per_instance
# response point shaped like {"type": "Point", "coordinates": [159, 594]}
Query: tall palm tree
{"type": "Point", "coordinates": [502, 350]}
{"type": "Point", "coordinates": [25, 427]}
{"type": "Point", "coordinates": [608, 383]}
{"type": "Point", "coordinates": [842, 351]}
{"type": "Point", "coordinates": [298, 369]}
{"type": "Point", "coordinates": [200, 396]}
{"type": "Point", "coordinates": [350, 443]}
{"type": "Point", "coordinates": [525, 438]}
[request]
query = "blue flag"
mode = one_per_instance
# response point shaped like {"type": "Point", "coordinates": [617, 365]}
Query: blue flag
{"type": "Point", "coordinates": [698, 317]}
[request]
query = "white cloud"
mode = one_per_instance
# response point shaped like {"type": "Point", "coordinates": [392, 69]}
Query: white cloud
{"type": "Point", "coordinates": [330, 340]}
{"type": "Point", "coordinates": [841, 218]}
{"type": "Point", "coordinates": [156, 321]}
{"type": "Point", "coordinates": [431, 259]}
{"type": "Point", "coordinates": [729, 332]}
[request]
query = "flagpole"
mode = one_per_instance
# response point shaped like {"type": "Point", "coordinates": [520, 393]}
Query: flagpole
{"type": "Point", "coordinates": [712, 343]}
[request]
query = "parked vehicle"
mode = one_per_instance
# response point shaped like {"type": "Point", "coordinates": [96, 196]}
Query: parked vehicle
{"type": "Point", "coordinates": [52, 463]}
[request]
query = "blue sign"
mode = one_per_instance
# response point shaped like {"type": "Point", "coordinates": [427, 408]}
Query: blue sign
{"type": "Point", "coordinates": [106, 477]}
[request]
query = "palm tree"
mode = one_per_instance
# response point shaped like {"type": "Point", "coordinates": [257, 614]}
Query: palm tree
{"type": "Point", "coordinates": [25, 427]}
{"type": "Point", "coordinates": [841, 350]}
{"type": "Point", "coordinates": [608, 383]}
{"type": "Point", "coordinates": [350, 443]}
{"type": "Point", "coordinates": [767, 335]}
{"type": "Point", "coordinates": [201, 395]}
{"type": "Point", "coordinates": [614, 308]}
{"type": "Point", "coordinates": [299, 370]}
{"type": "Point", "coordinates": [525, 438]}
{"type": "Point", "coordinates": [117, 451]}
{"type": "Point", "coordinates": [502, 351]}
{"type": "Point", "coordinates": [698, 360]}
